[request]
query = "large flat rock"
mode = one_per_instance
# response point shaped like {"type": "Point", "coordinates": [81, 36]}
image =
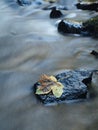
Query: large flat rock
{"type": "Point", "coordinates": [75, 87]}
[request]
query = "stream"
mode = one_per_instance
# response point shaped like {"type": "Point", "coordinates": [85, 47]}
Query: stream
{"type": "Point", "coordinates": [30, 46]}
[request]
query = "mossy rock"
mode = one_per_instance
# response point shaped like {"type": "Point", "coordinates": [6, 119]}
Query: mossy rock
{"type": "Point", "coordinates": [91, 26]}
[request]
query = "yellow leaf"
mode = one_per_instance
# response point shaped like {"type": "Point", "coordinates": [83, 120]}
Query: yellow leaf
{"type": "Point", "coordinates": [48, 84]}
{"type": "Point", "coordinates": [41, 91]}
{"type": "Point", "coordinates": [53, 78]}
{"type": "Point", "coordinates": [38, 91]}
{"type": "Point", "coordinates": [57, 91]}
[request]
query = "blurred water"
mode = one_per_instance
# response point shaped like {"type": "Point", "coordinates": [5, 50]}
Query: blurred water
{"type": "Point", "coordinates": [30, 46]}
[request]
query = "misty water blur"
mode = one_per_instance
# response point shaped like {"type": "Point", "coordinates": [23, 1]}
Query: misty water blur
{"type": "Point", "coordinates": [30, 45]}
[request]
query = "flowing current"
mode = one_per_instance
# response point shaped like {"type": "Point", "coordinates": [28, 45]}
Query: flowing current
{"type": "Point", "coordinates": [30, 46]}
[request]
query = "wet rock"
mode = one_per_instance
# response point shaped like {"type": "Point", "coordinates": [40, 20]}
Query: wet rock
{"type": "Point", "coordinates": [88, 5]}
{"type": "Point", "coordinates": [75, 89]}
{"type": "Point", "coordinates": [95, 53]}
{"type": "Point", "coordinates": [86, 28]}
{"type": "Point", "coordinates": [24, 2]}
{"type": "Point", "coordinates": [69, 26]}
{"type": "Point", "coordinates": [55, 13]}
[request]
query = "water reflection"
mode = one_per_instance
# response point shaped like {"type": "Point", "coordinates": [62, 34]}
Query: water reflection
{"type": "Point", "coordinates": [30, 46]}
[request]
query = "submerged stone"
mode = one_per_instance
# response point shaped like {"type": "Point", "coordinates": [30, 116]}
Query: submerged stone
{"type": "Point", "coordinates": [75, 87]}
{"type": "Point", "coordinates": [24, 2]}
{"type": "Point", "coordinates": [87, 5]}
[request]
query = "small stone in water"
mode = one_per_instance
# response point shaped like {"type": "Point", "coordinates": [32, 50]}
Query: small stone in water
{"type": "Point", "coordinates": [55, 13]}
{"type": "Point", "coordinates": [95, 53]}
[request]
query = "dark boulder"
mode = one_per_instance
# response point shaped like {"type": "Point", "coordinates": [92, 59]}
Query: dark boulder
{"type": "Point", "coordinates": [69, 26]}
{"type": "Point", "coordinates": [86, 28]}
{"type": "Point", "coordinates": [75, 84]}
{"type": "Point", "coordinates": [55, 13]}
{"type": "Point", "coordinates": [88, 5]}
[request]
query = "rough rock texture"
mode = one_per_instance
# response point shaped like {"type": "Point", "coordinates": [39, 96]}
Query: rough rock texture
{"type": "Point", "coordinates": [75, 87]}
